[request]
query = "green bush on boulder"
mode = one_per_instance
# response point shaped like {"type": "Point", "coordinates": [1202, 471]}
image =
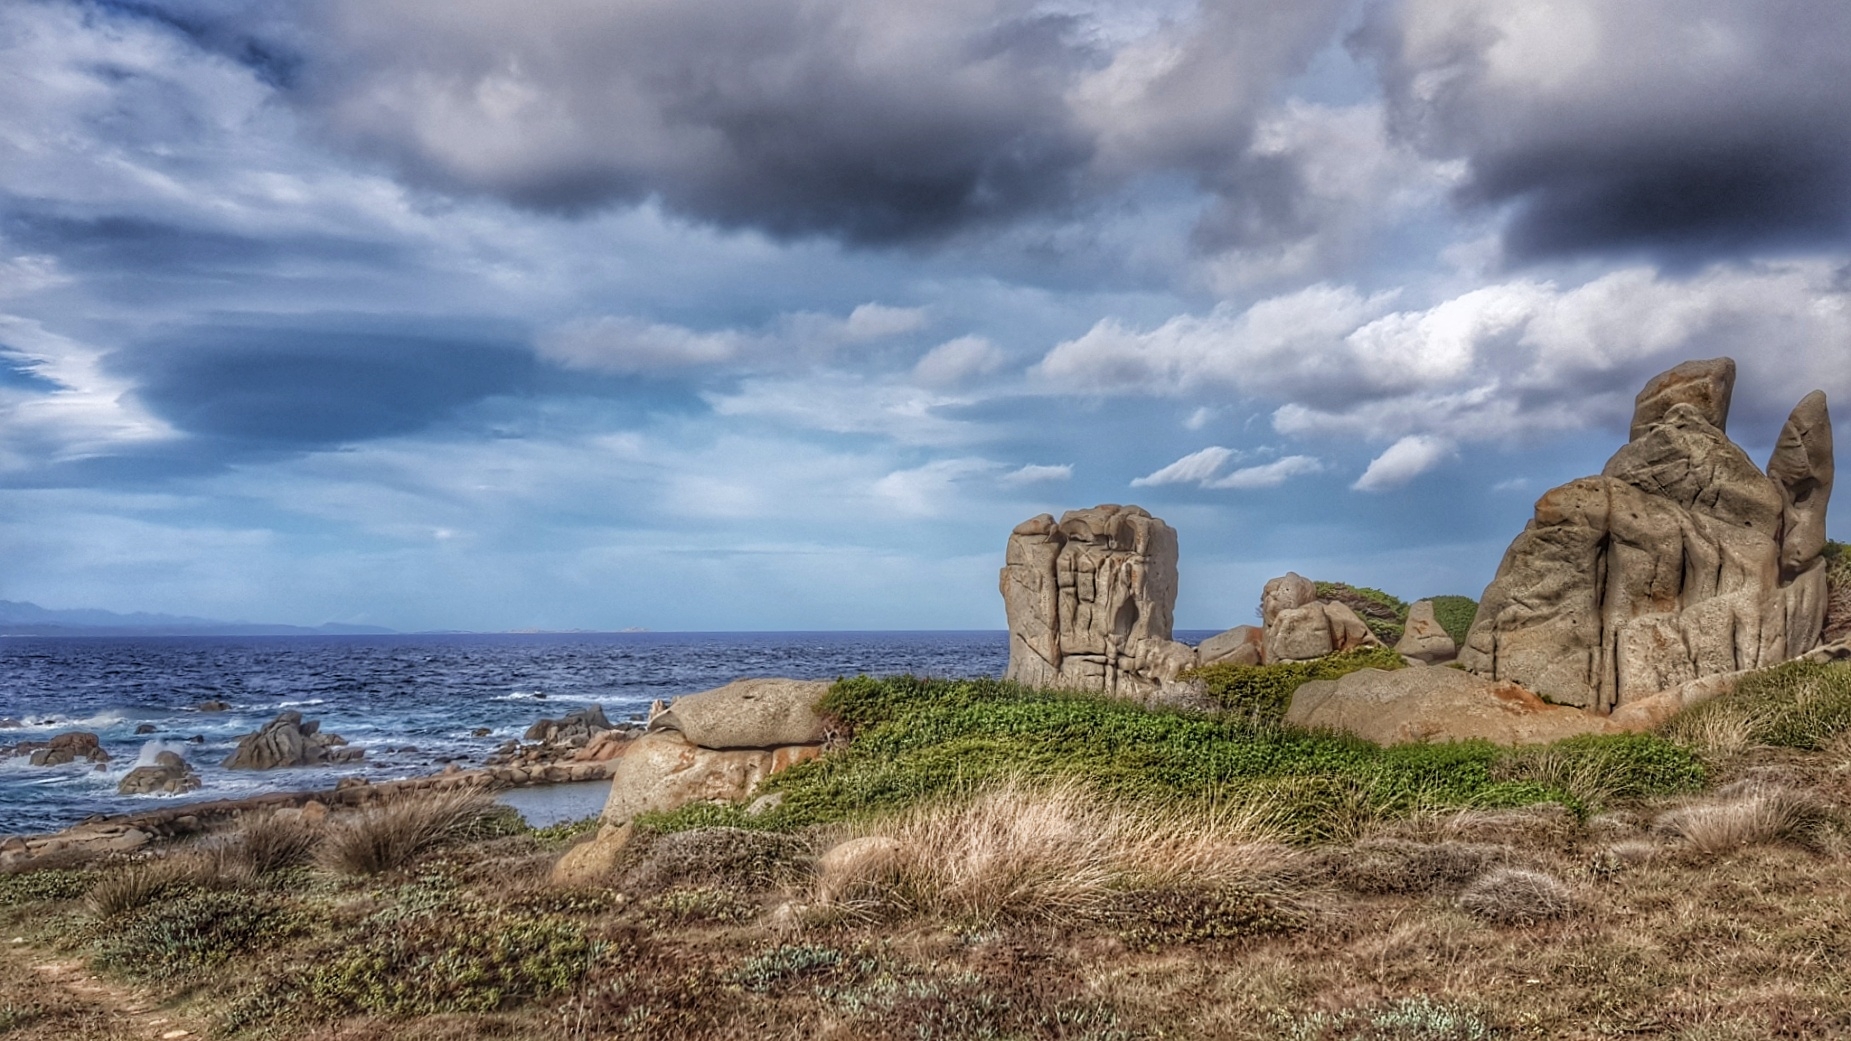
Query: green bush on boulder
{"type": "Point", "coordinates": [1262, 692]}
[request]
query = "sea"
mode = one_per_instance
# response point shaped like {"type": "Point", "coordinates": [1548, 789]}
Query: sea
{"type": "Point", "coordinates": [414, 702]}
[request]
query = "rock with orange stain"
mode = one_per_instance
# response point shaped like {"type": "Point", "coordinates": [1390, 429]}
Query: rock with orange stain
{"type": "Point", "coordinates": [1435, 703]}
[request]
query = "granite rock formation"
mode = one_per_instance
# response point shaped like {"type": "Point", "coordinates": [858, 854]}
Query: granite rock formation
{"type": "Point", "coordinates": [1423, 638]}
{"type": "Point", "coordinates": [1426, 703]}
{"type": "Point", "coordinates": [1089, 602]}
{"type": "Point", "coordinates": [168, 773]}
{"type": "Point", "coordinates": [1300, 627]}
{"type": "Point", "coordinates": [288, 741]}
{"type": "Point", "coordinates": [1681, 560]}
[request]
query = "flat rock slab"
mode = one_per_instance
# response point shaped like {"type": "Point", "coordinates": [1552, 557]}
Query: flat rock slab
{"type": "Point", "coordinates": [1428, 703]}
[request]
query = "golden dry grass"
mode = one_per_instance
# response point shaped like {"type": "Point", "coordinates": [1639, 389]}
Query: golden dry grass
{"type": "Point", "coordinates": [1750, 813]}
{"type": "Point", "coordinates": [393, 834]}
{"type": "Point", "coordinates": [1013, 851]}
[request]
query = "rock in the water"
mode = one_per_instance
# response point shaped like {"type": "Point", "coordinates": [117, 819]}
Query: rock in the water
{"type": "Point", "coordinates": [66, 748]}
{"type": "Point", "coordinates": [1423, 638]}
{"type": "Point", "coordinates": [575, 728]}
{"type": "Point", "coordinates": [1089, 602]}
{"type": "Point", "coordinates": [168, 773]}
{"type": "Point", "coordinates": [212, 706]}
{"type": "Point", "coordinates": [1681, 560]}
{"type": "Point", "coordinates": [1429, 703]}
{"type": "Point", "coordinates": [1241, 645]}
{"type": "Point", "coordinates": [288, 741]}
{"type": "Point", "coordinates": [663, 770]}
{"type": "Point", "coordinates": [751, 713]}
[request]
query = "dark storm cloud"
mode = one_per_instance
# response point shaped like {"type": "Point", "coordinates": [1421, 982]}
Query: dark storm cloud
{"type": "Point", "coordinates": [163, 250]}
{"type": "Point", "coordinates": [862, 120]}
{"type": "Point", "coordinates": [1688, 128]}
{"type": "Point", "coordinates": [304, 386]}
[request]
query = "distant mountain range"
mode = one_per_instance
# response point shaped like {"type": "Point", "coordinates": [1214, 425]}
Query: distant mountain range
{"type": "Point", "coordinates": [23, 619]}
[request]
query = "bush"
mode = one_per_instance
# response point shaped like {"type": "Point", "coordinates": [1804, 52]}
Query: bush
{"type": "Point", "coordinates": [1385, 614]}
{"type": "Point", "coordinates": [1797, 704]}
{"type": "Point", "coordinates": [916, 739]}
{"type": "Point", "coordinates": [1455, 614]}
{"type": "Point", "coordinates": [200, 930]}
{"type": "Point", "coordinates": [1263, 692]}
{"type": "Point", "coordinates": [390, 836]}
{"type": "Point", "coordinates": [1516, 896]}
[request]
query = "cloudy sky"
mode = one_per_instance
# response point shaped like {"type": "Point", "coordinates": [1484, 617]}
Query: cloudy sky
{"type": "Point", "coordinates": [695, 314]}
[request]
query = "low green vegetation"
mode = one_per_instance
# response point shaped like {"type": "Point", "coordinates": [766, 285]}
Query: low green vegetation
{"type": "Point", "coordinates": [1262, 692]}
{"type": "Point", "coordinates": [1455, 613]}
{"type": "Point", "coordinates": [916, 738]}
{"type": "Point", "coordinates": [1384, 613]}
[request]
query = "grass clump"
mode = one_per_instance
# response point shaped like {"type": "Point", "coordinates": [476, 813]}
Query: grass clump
{"type": "Point", "coordinates": [1385, 614]}
{"type": "Point", "coordinates": [1011, 852]}
{"type": "Point", "coordinates": [1516, 896]}
{"type": "Point", "coordinates": [735, 859]}
{"type": "Point", "coordinates": [1401, 866]}
{"type": "Point", "coordinates": [266, 843]}
{"type": "Point", "coordinates": [1837, 592]}
{"type": "Point", "coordinates": [1455, 614]}
{"type": "Point", "coordinates": [1263, 692]}
{"type": "Point", "coordinates": [1751, 814]}
{"type": "Point", "coordinates": [390, 836]}
{"type": "Point", "coordinates": [1797, 704]}
{"type": "Point", "coordinates": [1407, 1019]}
{"type": "Point", "coordinates": [135, 886]}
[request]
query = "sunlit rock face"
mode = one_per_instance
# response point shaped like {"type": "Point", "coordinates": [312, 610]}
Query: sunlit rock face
{"type": "Point", "coordinates": [1682, 559]}
{"type": "Point", "coordinates": [1089, 601]}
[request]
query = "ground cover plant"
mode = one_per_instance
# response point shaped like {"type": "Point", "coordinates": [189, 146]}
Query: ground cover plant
{"type": "Point", "coordinates": [1261, 693]}
{"type": "Point", "coordinates": [1384, 613]}
{"type": "Point", "coordinates": [1096, 871]}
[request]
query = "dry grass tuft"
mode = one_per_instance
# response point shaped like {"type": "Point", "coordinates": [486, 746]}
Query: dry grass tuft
{"type": "Point", "coordinates": [1516, 896]}
{"type": "Point", "coordinates": [266, 843]}
{"type": "Point", "coordinates": [1751, 814]}
{"type": "Point", "coordinates": [392, 835]}
{"type": "Point", "coordinates": [1059, 854]}
{"type": "Point", "coordinates": [736, 859]}
{"type": "Point", "coordinates": [138, 884]}
{"type": "Point", "coordinates": [1385, 866]}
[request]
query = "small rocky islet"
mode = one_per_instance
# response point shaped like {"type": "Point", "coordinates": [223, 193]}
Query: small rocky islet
{"type": "Point", "coordinates": [1432, 815]}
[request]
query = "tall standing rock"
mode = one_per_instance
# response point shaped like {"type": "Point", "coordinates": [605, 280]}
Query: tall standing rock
{"type": "Point", "coordinates": [1089, 602]}
{"type": "Point", "coordinates": [1682, 559]}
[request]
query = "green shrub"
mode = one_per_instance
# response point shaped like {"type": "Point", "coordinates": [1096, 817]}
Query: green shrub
{"type": "Point", "coordinates": [1384, 613]}
{"type": "Point", "coordinates": [1455, 614]}
{"type": "Point", "coordinates": [920, 738]}
{"type": "Point", "coordinates": [565, 831]}
{"type": "Point", "coordinates": [1262, 692]}
{"type": "Point", "coordinates": [200, 930]}
{"type": "Point", "coordinates": [46, 886]}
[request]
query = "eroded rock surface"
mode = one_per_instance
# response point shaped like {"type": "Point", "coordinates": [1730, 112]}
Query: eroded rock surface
{"type": "Point", "coordinates": [1089, 602]}
{"type": "Point", "coordinates": [1429, 703]}
{"type": "Point", "coordinates": [1681, 560]}
{"type": "Point", "coordinates": [1423, 638]}
{"type": "Point", "coordinates": [750, 713]}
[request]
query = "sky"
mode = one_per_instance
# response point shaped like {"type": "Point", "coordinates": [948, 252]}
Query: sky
{"type": "Point", "coordinates": [700, 315]}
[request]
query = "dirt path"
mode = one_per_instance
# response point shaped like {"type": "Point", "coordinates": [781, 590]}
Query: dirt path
{"type": "Point", "coordinates": [59, 997]}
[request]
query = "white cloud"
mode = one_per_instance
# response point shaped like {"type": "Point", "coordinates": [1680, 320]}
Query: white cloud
{"type": "Point", "coordinates": [873, 321]}
{"type": "Point", "coordinates": [841, 403]}
{"type": "Point", "coordinates": [1403, 461]}
{"type": "Point", "coordinates": [1034, 474]}
{"type": "Point", "coordinates": [958, 361]}
{"type": "Point", "coordinates": [628, 345]}
{"type": "Point", "coordinates": [1500, 362]}
{"type": "Point", "coordinates": [929, 490]}
{"type": "Point", "coordinates": [1194, 467]}
{"type": "Point", "coordinates": [1268, 475]}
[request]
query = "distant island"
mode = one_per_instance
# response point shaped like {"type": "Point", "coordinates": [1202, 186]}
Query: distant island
{"type": "Point", "coordinates": [18, 618]}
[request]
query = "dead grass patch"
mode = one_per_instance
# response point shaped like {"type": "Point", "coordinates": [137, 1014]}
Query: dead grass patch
{"type": "Point", "coordinates": [1056, 854]}
{"type": "Point", "coordinates": [392, 835]}
{"type": "Point", "coordinates": [1516, 896]}
{"type": "Point", "coordinates": [1751, 813]}
{"type": "Point", "coordinates": [1400, 866]}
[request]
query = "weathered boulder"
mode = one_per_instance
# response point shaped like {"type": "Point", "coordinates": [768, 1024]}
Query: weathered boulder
{"type": "Point", "coordinates": [1089, 602]}
{"type": "Point", "coordinates": [1241, 645]}
{"type": "Point", "coordinates": [66, 748]}
{"type": "Point", "coordinates": [288, 741]}
{"type": "Point", "coordinates": [750, 713]}
{"type": "Point", "coordinates": [168, 773]}
{"type": "Point", "coordinates": [1423, 638]}
{"type": "Point", "coordinates": [1300, 627]}
{"type": "Point", "coordinates": [1287, 592]}
{"type": "Point", "coordinates": [1428, 703]}
{"type": "Point", "coordinates": [663, 770]}
{"type": "Point", "coordinates": [592, 861]}
{"type": "Point", "coordinates": [1681, 560]}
